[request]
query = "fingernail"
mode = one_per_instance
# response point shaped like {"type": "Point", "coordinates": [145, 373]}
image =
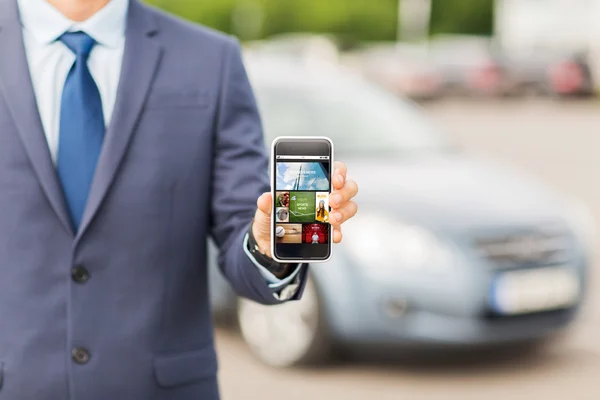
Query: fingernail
{"type": "Point", "coordinates": [337, 217]}
{"type": "Point", "coordinates": [340, 178]}
{"type": "Point", "coordinates": [336, 199]}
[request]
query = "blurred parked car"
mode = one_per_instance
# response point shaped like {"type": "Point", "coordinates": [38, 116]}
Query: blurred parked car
{"type": "Point", "coordinates": [402, 68]}
{"type": "Point", "coordinates": [571, 77]}
{"type": "Point", "coordinates": [298, 46]}
{"type": "Point", "coordinates": [446, 249]}
{"type": "Point", "coordinates": [529, 71]}
{"type": "Point", "coordinates": [565, 26]}
{"type": "Point", "coordinates": [544, 72]}
{"type": "Point", "coordinates": [471, 66]}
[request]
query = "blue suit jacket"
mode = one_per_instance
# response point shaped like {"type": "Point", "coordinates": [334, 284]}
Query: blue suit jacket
{"type": "Point", "coordinates": [183, 159]}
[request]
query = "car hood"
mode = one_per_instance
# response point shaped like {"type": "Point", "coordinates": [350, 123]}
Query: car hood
{"type": "Point", "coordinates": [454, 192]}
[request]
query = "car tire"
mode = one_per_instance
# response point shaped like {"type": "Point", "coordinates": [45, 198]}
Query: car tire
{"type": "Point", "coordinates": [287, 335]}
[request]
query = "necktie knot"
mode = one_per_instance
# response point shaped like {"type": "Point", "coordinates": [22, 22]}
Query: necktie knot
{"type": "Point", "coordinates": [78, 42]}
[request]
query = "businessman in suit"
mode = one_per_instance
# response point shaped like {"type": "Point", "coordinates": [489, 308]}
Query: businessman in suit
{"type": "Point", "coordinates": [127, 137]}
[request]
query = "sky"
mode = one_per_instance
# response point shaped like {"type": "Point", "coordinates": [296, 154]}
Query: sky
{"type": "Point", "coordinates": [314, 177]}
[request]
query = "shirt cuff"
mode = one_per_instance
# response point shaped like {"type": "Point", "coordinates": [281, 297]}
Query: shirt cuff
{"type": "Point", "coordinates": [274, 282]}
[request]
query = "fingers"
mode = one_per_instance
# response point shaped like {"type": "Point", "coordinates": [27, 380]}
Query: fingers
{"type": "Point", "coordinates": [264, 203]}
{"type": "Point", "coordinates": [344, 194]}
{"type": "Point", "coordinates": [340, 200]}
{"type": "Point", "coordinates": [337, 235]}
{"type": "Point", "coordinates": [340, 168]}
{"type": "Point", "coordinates": [344, 213]}
{"type": "Point", "coordinates": [339, 175]}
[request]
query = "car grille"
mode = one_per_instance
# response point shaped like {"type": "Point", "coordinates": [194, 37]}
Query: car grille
{"type": "Point", "coordinates": [563, 314]}
{"type": "Point", "coordinates": [525, 249]}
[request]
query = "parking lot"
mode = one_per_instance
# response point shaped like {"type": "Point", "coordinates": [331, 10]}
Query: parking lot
{"type": "Point", "coordinates": [557, 142]}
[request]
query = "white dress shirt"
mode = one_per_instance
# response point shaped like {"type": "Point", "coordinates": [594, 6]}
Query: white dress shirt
{"type": "Point", "coordinates": [50, 61]}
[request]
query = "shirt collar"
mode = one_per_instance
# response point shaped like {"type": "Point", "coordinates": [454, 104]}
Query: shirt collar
{"type": "Point", "coordinates": [46, 24]}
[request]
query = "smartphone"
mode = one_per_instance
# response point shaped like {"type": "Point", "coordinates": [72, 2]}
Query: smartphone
{"type": "Point", "coordinates": [301, 169]}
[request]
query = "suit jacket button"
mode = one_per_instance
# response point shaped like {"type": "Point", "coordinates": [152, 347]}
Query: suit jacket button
{"type": "Point", "coordinates": [79, 274]}
{"type": "Point", "coordinates": [80, 355]}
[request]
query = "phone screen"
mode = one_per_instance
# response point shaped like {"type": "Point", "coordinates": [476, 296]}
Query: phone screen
{"type": "Point", "coordinates": [302, 179]}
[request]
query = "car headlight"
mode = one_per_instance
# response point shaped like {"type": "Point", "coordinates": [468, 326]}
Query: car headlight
{"type": "Point", "coordinates": [382, 245]}
{"type": "Point", "coordinates": [582, 222]}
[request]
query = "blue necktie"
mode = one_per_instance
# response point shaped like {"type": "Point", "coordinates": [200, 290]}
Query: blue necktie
{"type": "Point", "coordinates": [81, 127]}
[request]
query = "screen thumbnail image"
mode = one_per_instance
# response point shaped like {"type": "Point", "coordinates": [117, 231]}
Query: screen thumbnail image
{"type": "Point", "coordinates": [302, 206]}
{"type": "Point", "coordinates": [282, 214]}
{"type": "Point", "coordinates": [288, 233]}
{"type": "Point", "coordinates": [322, 207]}
{"type": "Point", "coordinates": [302, 176]}
{"type": "Point", "coordinates": [282, 199]}
{"type": "Point", "coordinates": [315, 233]}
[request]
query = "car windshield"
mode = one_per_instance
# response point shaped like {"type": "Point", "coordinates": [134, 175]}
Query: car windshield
{"type": "Point", "coordinates": [360, 118]}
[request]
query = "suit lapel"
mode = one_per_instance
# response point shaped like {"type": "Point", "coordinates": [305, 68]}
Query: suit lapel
{"type": "Point", "coordinates": [15, 84]}
{"type": "Point", "coordinates": [140, 62]}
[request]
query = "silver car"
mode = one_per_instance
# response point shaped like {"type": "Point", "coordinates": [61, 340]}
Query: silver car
{"type": "Point", "coordinates": [446, 249]}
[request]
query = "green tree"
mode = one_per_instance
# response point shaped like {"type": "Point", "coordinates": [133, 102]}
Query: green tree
{"type": "Point", "coordinates": [462, 16]}
{"type": "Point", "coordinates": [350, 19]}
{"type": "Point", "coordinates": [358, 19]}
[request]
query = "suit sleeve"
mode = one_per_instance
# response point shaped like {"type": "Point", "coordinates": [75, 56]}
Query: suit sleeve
{"type": "Point", "coordinates": [240, 176]}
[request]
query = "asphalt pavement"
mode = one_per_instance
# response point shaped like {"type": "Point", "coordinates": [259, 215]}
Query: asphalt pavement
{"type": "Point", "coordinates": [557, 142]}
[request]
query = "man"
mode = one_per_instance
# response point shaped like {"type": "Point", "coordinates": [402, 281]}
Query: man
{"type": "Point", "coordinates": [127, 137]}
{"type": "Point", "coordinates": [315, 238]}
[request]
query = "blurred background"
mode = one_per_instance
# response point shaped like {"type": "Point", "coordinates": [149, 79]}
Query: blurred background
{"type": "Point", "coordinates": [472, 129]}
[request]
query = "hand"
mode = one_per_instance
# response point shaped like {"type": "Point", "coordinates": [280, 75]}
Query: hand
{"type": "Point", "coordinates": [340, 201]}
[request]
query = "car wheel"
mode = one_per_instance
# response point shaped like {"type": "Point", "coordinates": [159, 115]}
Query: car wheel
{"type": "Point", "coordinates": [286, 335]}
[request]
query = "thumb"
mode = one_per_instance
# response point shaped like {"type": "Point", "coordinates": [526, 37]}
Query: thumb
{"type": "Point", "coordinates": [264, 204]}
{"type": "Point", "coordinates": [262, 222]}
